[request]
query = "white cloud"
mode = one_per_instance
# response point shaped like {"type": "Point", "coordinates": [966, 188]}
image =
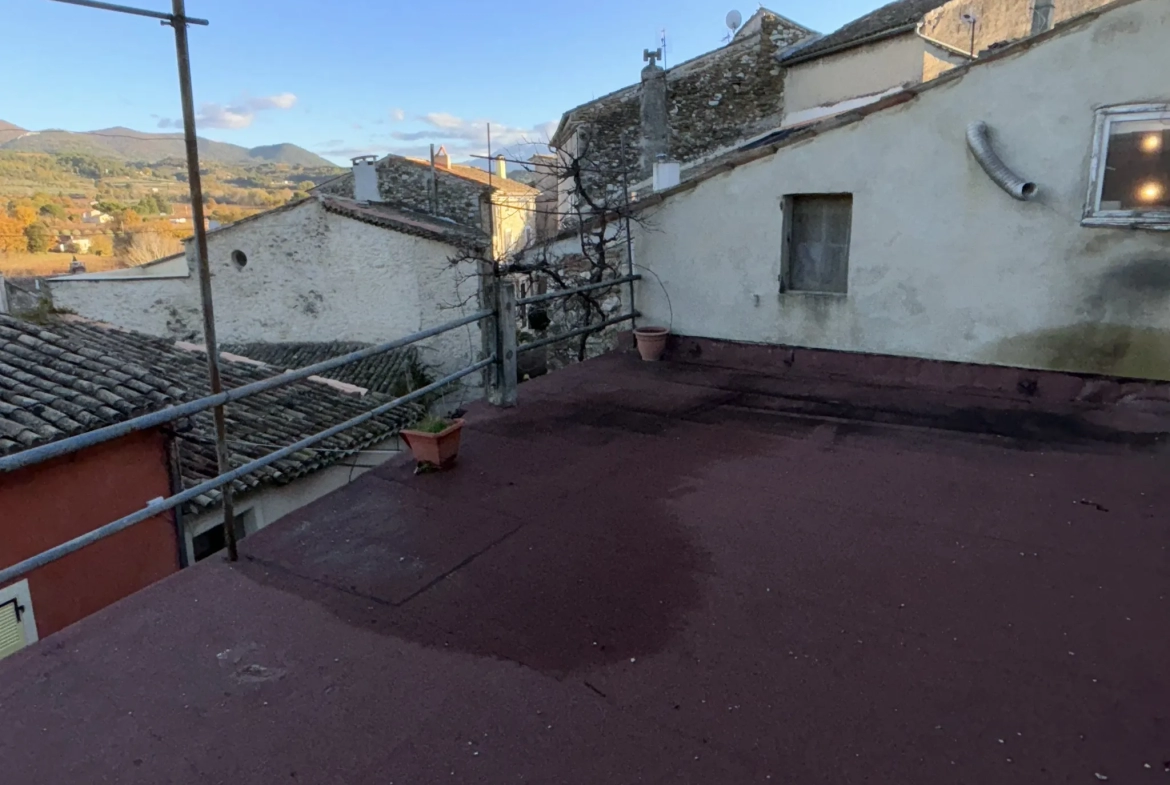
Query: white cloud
{"type": "Point", "coordinates": [279, 101]}
{"type": "Point", "coordinates": [446, 128]}
{"type": "Point", "coordinates": [239, 114]}
{"type": "Point", "coordinates": [397, 115]}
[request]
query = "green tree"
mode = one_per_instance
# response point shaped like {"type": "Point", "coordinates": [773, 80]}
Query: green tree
{"type": "Point", "coordinates": [39, 237]}
{"type": "Point", "coordinates": [53, 211]}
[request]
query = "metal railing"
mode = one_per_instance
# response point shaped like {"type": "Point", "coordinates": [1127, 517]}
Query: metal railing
{"type": "Point", "coordinates": [502, 359]}
{"type": "Point", "coordinates": [171, 414]}
{"type": "Point", "coordinates": [590, 328]}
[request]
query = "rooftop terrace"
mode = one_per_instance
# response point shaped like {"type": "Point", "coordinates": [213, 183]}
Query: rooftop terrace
{"type": "Point", "coordinates": [684, 572]}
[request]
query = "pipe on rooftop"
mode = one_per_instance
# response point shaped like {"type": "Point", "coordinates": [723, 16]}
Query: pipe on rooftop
{"type": "Point", "coordinates": [979, 140]}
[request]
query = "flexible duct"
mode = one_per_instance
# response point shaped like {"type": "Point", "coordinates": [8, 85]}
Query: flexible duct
{"type": "Point", "coordinates": [979, 140]}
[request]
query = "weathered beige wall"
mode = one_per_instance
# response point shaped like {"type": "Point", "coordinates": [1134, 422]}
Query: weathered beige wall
{"type": "Point", "coordinates": [933, 67]}
{"type": "Point", "coordinates": [943, 264]}
{"type": "Point", "coordinates": [998, 20]}
{"type": "Point", "coordinates": [864, 70]}
{"type": "Point", "coordinates": [311, 275]}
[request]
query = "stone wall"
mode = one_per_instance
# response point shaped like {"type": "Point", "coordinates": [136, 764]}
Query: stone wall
{"type": "Point", "coordinates": [309, 275]}
{"type": "Point", "coordinates": [713, 101]}
{"type": "Point", "coordinates": [406, 183]}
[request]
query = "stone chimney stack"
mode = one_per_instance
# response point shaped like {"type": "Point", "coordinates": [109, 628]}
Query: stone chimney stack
{"type": "Point", "coordinates": [442, 159]}
{"type": "Point", "coordinates": [655, 123]}
{"type": "Point", "coordinates": [365, 179]}
{"type": "Point", "coordinates": [501, 170]}
{"type": "Point", "coordinates": [1043, 14]}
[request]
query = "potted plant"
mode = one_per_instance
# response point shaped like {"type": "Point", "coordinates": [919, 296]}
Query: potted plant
{"type": "Point", "coordinates": [651, 342]}
{"type": "Point", "coordinates": [434, 441]}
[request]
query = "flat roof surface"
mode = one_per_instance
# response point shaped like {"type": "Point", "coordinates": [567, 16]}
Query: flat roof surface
{"type": "Point", "coordinates": [645, 574]}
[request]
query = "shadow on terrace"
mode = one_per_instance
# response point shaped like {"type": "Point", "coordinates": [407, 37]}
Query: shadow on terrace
{"type": "Point", "coordinates": [693, 571]}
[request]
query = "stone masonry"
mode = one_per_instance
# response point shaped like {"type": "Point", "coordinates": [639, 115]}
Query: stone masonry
{"type": "Point", "coordinates": [713, 101]}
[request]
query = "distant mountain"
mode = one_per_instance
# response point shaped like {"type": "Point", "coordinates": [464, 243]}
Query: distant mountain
{"type": "Point", "coordinates": [130, 145]}
{"type": "Point", "coordinates": [8, 132]}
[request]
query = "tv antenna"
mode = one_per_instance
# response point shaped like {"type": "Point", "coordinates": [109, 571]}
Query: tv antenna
{"type": "Point", "coordinates": [969, 18]}
{"type": "Point", "coordinates": [734, 20]}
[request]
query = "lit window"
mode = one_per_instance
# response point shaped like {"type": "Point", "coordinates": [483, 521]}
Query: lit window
{"type": "Point", "coordinates": [1130, 180]}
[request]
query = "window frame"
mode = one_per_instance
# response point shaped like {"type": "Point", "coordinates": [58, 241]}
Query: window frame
{"type": "Point", "coordinates": [1106, 116]}
{"type": "Point", "coordinates": [19, 594]}
{"type": "Point", "coordinates": [788, 210]}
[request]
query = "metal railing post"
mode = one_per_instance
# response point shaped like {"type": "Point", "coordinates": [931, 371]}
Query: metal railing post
{"type": "Point", "coordinates": [503, 390]}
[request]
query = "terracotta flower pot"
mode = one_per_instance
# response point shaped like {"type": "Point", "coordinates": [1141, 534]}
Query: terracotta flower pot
{"type": "Point", "coordinates": [438, 449]}
{"type": "Point", "coordinates": [651, 342]}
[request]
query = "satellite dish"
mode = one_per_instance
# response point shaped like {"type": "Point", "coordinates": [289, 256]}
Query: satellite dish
{"type": "Point", "coordinates": [734, 20]}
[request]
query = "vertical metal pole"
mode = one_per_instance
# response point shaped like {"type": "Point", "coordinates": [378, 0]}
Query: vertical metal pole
{"type": "Point", "coordinates": [179, 22]}
{"type": "Point", "coordinates": [504, 391]}
{"type": "Point", "coordinates": [434, 184]}
{"type": "Point", "coordinates": [629, 237]}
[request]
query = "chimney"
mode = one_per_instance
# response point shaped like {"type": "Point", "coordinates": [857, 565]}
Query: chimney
{"type": "Point", "coordinates": [365, 179]}
{"type": "Point", "coordinates": [442, 159]}
{"type": "Point", "coordinates": [666, 173]}
{"type": "Point", "coordinates": [655, 128]}
{"type": "Point", "coordinates": [1043, 15]}
{"type": "Point", "coordinates": [501, 168]}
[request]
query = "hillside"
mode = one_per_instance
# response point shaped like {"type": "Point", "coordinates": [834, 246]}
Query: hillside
{"type": "Point", "coordinates": [126, 144]}
{"type": "Point", "coordinates": [8, 132]}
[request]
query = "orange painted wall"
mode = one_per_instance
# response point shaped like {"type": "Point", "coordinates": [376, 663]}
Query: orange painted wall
{"type": "Point", "coordinates": [48, 504]}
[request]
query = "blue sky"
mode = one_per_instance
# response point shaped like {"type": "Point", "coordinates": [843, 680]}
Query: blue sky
{"type": "Point", "coordinates": [349, 77]}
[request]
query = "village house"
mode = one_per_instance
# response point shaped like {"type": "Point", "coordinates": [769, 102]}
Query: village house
{"type": "Point", "coordinates": [997, 214]}
{"type": "Point", "coordinates": [685, 112]}
{"type": "Point", "coordinates": [500, 208]}
{"type": "Point", "coordinates": [72, 376]}
{"type": "Point", "coordinates": [95, 217]}
{"type": "Point", "coordinates": [905, 43]}
{"type": "Point", "coordinates": [324, 269]}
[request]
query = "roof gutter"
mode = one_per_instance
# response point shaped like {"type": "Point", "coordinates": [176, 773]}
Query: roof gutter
{"type": "Point", "coordinates": [797, 58]}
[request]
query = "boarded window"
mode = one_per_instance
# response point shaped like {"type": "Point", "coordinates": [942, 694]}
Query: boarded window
{"type": "Point", "coordinates": [817, 243]}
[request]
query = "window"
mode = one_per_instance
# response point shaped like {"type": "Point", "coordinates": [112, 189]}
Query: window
{"type": "Point", "coordinates": [1129, 184]}
{"type": "Point", "coordinates": [17, 626]}
{"type": "Point", "coordinates": [214, 539]}
{"type": "Point", "coordinates": [239, 259]}
{"type": "Point", "coordinates": [815, 257]}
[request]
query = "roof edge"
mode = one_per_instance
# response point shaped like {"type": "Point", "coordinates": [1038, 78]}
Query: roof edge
{"type": "Point", "coordinates": [796, 58]}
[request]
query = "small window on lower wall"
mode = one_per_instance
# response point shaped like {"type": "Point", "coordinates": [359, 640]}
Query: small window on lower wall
{"type": "Point", "coordinates": [17, 626]}
{"type": "Point", "coordinates": [214, 540]}
{"type": "Point", "coordinates": [815, 258]}
{"type": "Point", "coordinates": [1129, 184]}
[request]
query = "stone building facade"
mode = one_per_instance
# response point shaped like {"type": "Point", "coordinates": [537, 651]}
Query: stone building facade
{"type": "Point", "coordinates": [711, 102]}
{"type": "Point", "coordinates": [466, 195]}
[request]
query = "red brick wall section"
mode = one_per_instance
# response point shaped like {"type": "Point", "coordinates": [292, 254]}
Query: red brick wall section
{"type": "Point", "coordinates": [48, 504]}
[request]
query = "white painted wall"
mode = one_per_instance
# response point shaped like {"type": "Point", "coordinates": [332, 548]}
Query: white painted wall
{"type": "Point", "coordinates": [266, 506]}
{"type": "Point", "coordinates": [310, 275]}
{"type": "Point", "coordinates": [862, 71]}
{"type": "Point", "coordinates": [943, 264]}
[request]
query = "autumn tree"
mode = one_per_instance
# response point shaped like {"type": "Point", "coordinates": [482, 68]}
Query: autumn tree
{"type": "Point", "coordinates": [38, 236]}
{"type": "Point", "coordinates": [101, 245]}
{"type": "Point", "coordinates": [12, 237]}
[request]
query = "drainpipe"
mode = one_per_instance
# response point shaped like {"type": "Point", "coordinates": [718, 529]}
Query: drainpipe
{"type": "Point", "coordinates": [979, 140]}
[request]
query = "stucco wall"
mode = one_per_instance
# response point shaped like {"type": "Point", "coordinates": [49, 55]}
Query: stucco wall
{"type": "Point", "coordinates": [47, 504]}
{"type": "Point", "coordinates": [942, 263]}
{"type": "Point", "coordinates": [863, 70]}
{"type": "Point", "coordinates": [310, 275]}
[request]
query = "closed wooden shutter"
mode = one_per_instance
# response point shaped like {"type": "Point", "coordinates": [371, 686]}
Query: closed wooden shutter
{"type": "Point", "coordinates": [12, 636]}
